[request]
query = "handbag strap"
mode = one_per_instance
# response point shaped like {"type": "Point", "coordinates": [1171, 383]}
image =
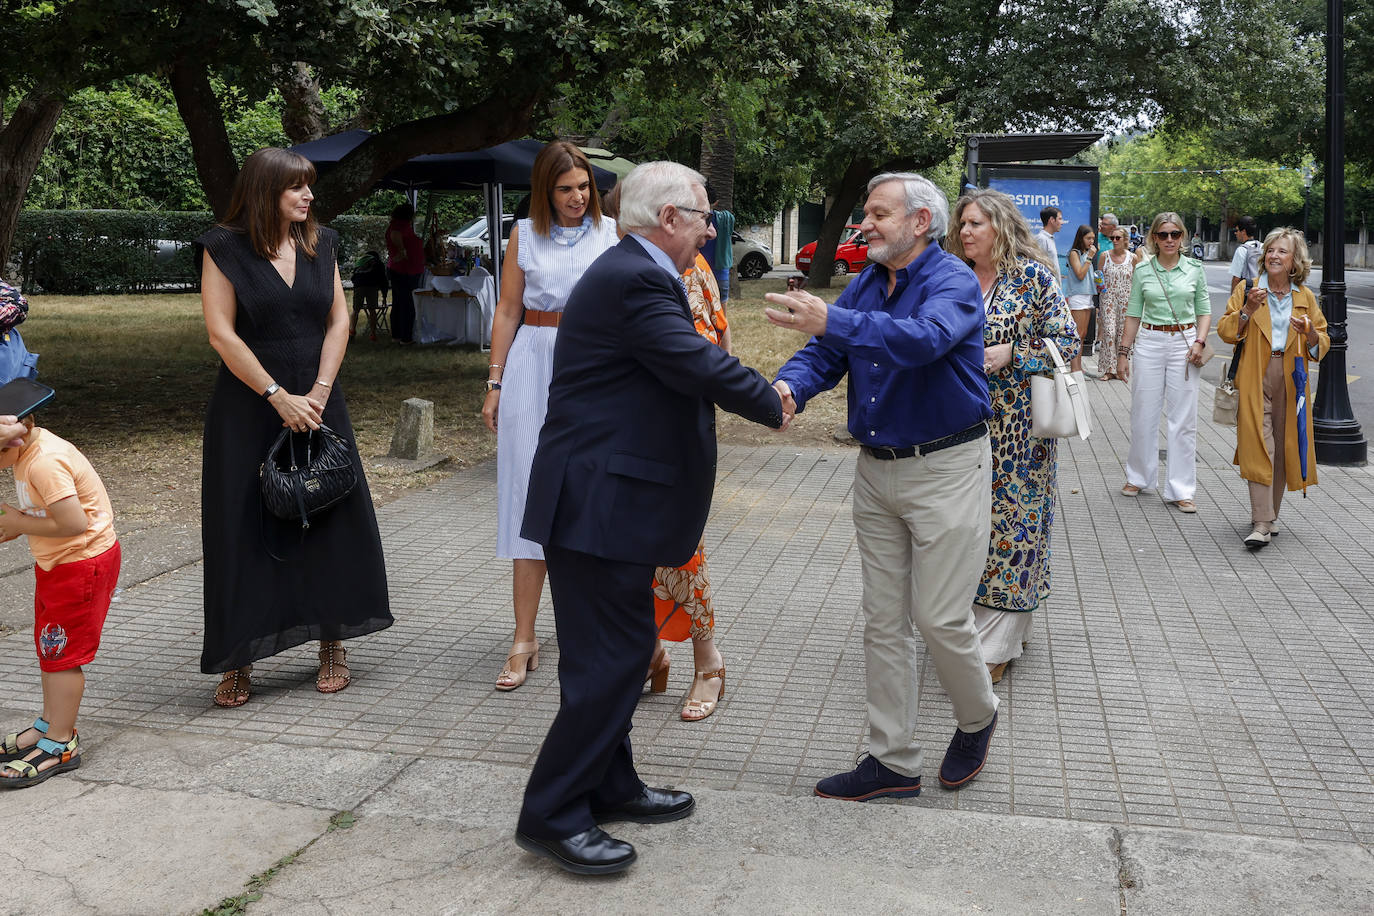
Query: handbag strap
{"type": "Point", "coordinates": [1167, 298]}
{"type": "Point", "coordinates": [1240, 344]}
{"type": "Point", "coordinates": [1072, 386]}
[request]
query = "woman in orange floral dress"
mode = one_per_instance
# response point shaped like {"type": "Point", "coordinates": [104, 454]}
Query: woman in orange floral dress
{"type": "Point", "coordinates": [682, 594]}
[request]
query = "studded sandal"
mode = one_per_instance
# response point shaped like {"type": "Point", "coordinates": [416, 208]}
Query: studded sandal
{"type": "Point", "coordinates": [12, 748]}
{"type": "Point", "coordinates": [235, 687]}
{"type": "Point", "coordinates": [333, 667]}
{"type": "Point", "coordinates": [31, 771]}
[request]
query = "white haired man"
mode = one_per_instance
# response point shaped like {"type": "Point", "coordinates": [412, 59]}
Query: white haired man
{"type": "Point", "coordinates": [908, 332]}
{"type": "Point", "coordinates": [621, 483]}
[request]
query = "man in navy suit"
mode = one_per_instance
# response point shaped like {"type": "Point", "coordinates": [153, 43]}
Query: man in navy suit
{"type": "Point", "coordinates": [621, 483]}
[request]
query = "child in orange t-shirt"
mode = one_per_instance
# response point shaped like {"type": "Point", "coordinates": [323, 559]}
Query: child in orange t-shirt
{"type": "Point", "coordinates": [65, 511]}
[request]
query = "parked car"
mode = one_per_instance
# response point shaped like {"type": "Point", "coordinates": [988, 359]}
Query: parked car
{"type": "Point", "coordinates": [851, 255]}
{"type": "Point", "coordinates": [474, 235]}
{"type": "Point", "coordinates": [752, 259]}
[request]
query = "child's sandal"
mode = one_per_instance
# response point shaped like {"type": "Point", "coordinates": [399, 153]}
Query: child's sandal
{"type": "Point", "coordinates": [67, 755]}
{"type": "Point", "coordinates": [12, 748]}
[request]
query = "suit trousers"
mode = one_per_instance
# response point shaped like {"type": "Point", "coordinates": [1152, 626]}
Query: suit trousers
{"type": "Point", "coordinates": [1265, 501]}
{"type": "Point", "coordinates": [921, 525]}
{"type": "Point", "coordinates": [1163, 381]}
{"type": "Point", "coordinates": [604, 614]}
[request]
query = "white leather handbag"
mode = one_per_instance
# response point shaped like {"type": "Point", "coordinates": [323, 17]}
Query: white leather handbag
{"type": "Point", "coordinates": [1059, 403]}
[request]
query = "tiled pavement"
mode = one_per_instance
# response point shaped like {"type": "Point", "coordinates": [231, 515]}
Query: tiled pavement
{"type": "Point", "coordinates": [1174, 679]}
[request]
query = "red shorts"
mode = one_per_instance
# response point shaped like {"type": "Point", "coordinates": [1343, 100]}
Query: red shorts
{"type": "Point", "coordinates": [70, 602]}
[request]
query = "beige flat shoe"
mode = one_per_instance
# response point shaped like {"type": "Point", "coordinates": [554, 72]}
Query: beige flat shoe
{"type": "Point", "coordinates": [523, 658]}
{"type": "Point", "coordinates": [1130, 489]}
{"type": "Point", "coordinates": [695, 710]}
{"type": "Point", "coordinates": [1186, 506]}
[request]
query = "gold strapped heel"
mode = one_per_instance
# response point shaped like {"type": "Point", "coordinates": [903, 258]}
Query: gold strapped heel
{"type": "Point", "coordinates": [695, 710]}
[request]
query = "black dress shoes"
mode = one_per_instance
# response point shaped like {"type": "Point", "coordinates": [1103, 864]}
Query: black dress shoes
{"type": "Point", "coordinates": [650, 806]}
{"type": "Point", "coordinates": [591, 852]}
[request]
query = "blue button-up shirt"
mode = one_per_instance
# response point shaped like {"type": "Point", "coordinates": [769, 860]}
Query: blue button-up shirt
{"type": "Point", "coordinates": [914, 358]}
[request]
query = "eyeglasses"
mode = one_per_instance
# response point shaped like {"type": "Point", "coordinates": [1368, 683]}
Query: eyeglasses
{"type": "Point", "coordinates": [705, 214]}
{"type": "Point", "coordinates": [1169, 234]}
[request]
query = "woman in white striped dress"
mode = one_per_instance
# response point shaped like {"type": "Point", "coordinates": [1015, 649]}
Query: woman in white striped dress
{"type": "Point", "coordinates": [547, 255]}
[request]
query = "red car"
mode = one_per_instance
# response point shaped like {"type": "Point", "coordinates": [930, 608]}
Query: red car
{"type": "Point", "coordinates": [851, 255]}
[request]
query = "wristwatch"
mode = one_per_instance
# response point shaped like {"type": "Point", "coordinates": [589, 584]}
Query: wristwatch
{"type": "Point", "coordinates": [1244, 316]}
{"type": "Point", "coordinates": [493, 385]}
{"type": "Point", "coordinates": [271, 390]}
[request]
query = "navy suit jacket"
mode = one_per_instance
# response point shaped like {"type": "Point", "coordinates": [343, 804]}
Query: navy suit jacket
{"type": "Point", "coordinates": [626, 461]}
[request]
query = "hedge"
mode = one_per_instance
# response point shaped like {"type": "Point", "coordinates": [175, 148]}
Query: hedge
{"type": "Point", "coordinates": [126, 251]}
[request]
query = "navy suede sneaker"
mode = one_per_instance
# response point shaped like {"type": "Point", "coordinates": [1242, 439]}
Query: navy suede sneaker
{"type": "Point", "coordinates": [870, 779]}
{"type": "Point", "coordinates": [966, 755]}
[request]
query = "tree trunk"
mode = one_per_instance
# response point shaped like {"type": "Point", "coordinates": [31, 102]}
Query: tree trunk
{"type": "Point", "coordinates": [489, 122]}
{"type": "Point", "coordinates": [204, 119]}
{"type": "Point", "coordinates": [302, 117]}
{"type": "Point", "coordinates": [718, 160]}
{"type": "Point", "coordinates": [845, 195]}
{"type": "Point", "coordinates": [22, 141]}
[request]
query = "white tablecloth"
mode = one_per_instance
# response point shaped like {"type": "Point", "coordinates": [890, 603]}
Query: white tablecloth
{"type": "Point", "coordinates": [455, 310]}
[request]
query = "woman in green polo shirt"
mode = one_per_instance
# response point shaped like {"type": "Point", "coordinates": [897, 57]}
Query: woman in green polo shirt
{"type": "Point", "coordinates": [1166, 327]}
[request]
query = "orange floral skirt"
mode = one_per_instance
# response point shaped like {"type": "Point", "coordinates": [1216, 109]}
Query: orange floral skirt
{"type": "Point", "coordinates": [682, 600]}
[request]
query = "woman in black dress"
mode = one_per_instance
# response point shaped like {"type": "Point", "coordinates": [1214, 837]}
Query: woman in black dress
{"type": "Point", "coordinates": [276, 314]}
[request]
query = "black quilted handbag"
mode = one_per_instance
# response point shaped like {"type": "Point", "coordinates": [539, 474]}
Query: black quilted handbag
{"type": "Point", "coordinates": [296, 486]}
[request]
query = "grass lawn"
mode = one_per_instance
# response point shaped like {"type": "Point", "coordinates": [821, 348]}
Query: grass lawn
{"type": "Point", "coordinates": [133, 374]}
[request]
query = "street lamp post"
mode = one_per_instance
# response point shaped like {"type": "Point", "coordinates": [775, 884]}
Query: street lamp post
{"type": "Point", "coordinates": [1336, 432]}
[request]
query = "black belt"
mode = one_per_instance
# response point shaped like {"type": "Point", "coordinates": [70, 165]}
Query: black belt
{"type": "Point", "coordinates": [884, 453]}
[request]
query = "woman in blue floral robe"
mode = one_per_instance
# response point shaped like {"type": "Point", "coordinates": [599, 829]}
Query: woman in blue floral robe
{"type": "Point", "coordinates": [1024, 305]}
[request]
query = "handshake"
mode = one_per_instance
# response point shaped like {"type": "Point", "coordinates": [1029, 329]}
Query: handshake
{"type": "Point", "coordinates": [789, 404]}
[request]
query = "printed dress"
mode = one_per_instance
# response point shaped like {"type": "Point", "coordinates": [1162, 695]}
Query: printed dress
{"type": "Point", "coordinates": [1025, 305]}
{"type": "Point", "coordinates": [682, 594]}
{"type": "Point", "coordinates": [1111, 317]}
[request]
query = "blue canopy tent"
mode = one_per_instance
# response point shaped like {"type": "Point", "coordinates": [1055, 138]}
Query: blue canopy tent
{"type": "Point", "coordinates": [491, 170]}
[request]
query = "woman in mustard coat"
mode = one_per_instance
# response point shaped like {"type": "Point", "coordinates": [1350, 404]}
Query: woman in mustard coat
{"type": "Point", "coordinates": [1278, 321]}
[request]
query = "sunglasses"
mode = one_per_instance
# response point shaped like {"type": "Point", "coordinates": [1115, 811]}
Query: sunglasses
{"type": "Point", "coordinates": [1169, 234]}
{"type": "Point", "coordinates": [1118, 238]}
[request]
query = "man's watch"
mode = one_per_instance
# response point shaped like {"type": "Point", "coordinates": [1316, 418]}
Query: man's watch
{"type": "Point", "coordinates": [271, 390]}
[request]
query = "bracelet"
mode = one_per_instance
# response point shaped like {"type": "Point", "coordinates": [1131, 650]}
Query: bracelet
{"type": "Point", "coordinates": [322, 383]}
{"type": "Point", "coordinates": [1124, 351]}
{"type": "Point", "coordinates": [496, 366]}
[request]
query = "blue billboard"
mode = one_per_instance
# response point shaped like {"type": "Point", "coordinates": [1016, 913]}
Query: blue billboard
{"type": "Point", "coordinates": [1073, 189]}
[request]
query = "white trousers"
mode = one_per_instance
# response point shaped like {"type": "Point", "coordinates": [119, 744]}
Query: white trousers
{"type": "Point", "coordinates": [1159, 385]}
{"type": "Point", "coordinates": [921, 526]}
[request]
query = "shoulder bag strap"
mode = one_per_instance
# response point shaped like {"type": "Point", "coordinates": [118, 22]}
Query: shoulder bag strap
{"type": "Point", "coordinates": [1240, 344]}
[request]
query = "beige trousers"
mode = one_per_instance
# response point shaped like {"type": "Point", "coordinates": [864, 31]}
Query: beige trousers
{"type": "Point", "coordinates": [1266, 500]}
{"type": "Point", "coordinates": [921, 525]}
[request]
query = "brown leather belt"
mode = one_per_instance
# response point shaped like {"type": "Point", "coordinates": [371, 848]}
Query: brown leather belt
{"type": "Point", "coordinates": [1275, 352]}
{"type": "Point", "coordinates": [1171, 328]}
{"type": "Point", "coordinates": [538, 319]}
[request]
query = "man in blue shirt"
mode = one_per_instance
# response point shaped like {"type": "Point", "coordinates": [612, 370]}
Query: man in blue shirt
{"type": "Point", "coordinates": [908, 332]}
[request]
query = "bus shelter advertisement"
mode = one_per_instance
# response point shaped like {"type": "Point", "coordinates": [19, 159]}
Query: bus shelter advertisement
{"type": "Point", "coordinates": [1073, 191]}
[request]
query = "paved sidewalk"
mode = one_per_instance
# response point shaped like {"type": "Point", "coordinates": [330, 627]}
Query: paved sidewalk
{"type": "Point", "coordinates": [1191, 729]}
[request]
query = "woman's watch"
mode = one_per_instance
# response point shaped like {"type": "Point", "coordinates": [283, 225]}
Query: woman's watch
{"type": "Point", "coordinates": [271, 390]}
{"type": "Point", "coordinates": [493, 385]}
{"type": "Point", "coordinates": [1244, 315]}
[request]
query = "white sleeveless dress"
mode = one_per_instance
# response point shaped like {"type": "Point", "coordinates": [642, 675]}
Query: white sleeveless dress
{"type": "Point", "coordinates": [551, 271]}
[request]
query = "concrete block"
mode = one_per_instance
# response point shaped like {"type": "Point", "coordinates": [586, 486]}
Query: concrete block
{"type": "Point", "coordinates": [414, 436]}
{"type": "Point", "coordinates": [113, 849]}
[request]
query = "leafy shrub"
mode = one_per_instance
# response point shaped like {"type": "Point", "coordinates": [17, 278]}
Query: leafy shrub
{"type": "Point", "coordinates": [127, 251]}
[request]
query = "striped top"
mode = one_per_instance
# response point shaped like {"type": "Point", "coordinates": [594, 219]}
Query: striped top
{"type": "Point", "coordinates": [552, 270]}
